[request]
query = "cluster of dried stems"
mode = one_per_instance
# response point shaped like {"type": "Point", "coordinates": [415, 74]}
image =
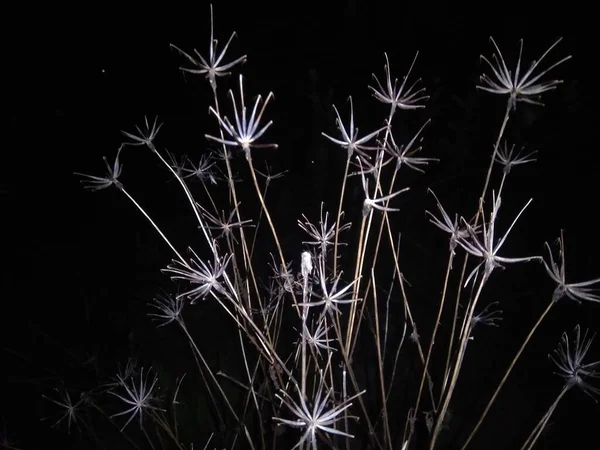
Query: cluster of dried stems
{"type": "Point", "coordinates": [316, 388]}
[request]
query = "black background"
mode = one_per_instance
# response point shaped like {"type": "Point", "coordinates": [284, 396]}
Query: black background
{"type": "Point", "coordinates": [80, 267]}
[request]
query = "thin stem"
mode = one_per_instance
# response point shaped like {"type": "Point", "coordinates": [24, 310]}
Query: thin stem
{"type": "Point", "coordinates": [137, 205]}
{"type": "Point", "coordinates": [353, 306]}
{"type": "Point", "coordinates": [459, 359]}
{"type": "Point", "coordinates": [435, 328]}
{"type": "Point", "coordinates": [386, 421]}
{"type": "Point", "coordinates": [453, 331]}
{"type": "Point", "coordinates": [268, 215]}
{"type": "Point", "coordinates": [492, 160]}
{"type": "Point", "coordinates": [233, 193]}
{"type": "Point", "coordinates": [339, 217]}
{"type": "Point", "coordinates": [165, 426]}
{"type": "Point", "coordinates": [537, 430]}
{"type": "Point", "coordinates": [465, 335]}
{"type": "Point", "coordinates": [258, 222]}
{"type": "Point", "coordinates": [207, 368]}
{"type": "Point", "coordinates": [508, 371]}
{"type": "Point", "coordinates": [251, 386]}
{"type": "Point", "coordinates": [188, 195]}
{"type": "Point", "coordinates": [346, 356]}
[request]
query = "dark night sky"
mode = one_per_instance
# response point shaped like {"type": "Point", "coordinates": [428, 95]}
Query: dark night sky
{"type": "Point", "coordinates": [81, 266]}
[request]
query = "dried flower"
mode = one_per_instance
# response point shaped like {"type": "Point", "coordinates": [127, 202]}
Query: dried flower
{"type": "Point", "coordinates": [246, 130]}
{"type": "Point", "coordinates": [520, 87]}
{"type": "Point", "coordinates": [399, 96]}
{"type": "Point", "coordinates": [350, 140]}
{"type": "Point", "coordinates": [214, 67]}
{"type": "Point", "coordinates": [569, 360]}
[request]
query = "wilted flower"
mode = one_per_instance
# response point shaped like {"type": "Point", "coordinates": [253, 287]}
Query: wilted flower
{"type": "Point", "coordinates": [169, 309]}
{"type": "Point", "coordinates": [446, 224]}
{"type": "Point", "coordinates": [138, 396]}
{"type": "Point", "coordinates": [370, 203]}
{"type": "Point", "coordinates": [487, 247]}
{"type": "Point", "coordinates": [404, 154]}
{"type": "Point", "coordinates": [398, 96]}
{"type": "Point", "coordinates": [520, 87]}
{"type": "Point", "coordinates": [350, 140]}
{"type": "Point", "coordinates": [575, 291]}
{"type": "Point", "coordinates": [569, 360]}
{"type": "Point", "coordinates": [323, 235]}
{"type": "Point", "coordinates": [70, 409]}
{"type": "Point", "coordinates": [203, 171]}
{"type": "Point", "coordinates": [314, 418]}
{"type": "Point", "coordinates": [487, 317]}
{"type": "Point", "coordinates": [330, 294]}
{"type": "Point", "coordinates": [145, 134]}
{"type": "Point", "coordinates": [203, 276]}
{"type": "Point", "coordinates": [225, 223]}
{"type": "Point", "coordinates": [246, 130]}
{"type": "Point", "coordinates": [213, 68]}
{"type": "Point", "coordinates": [94, 183]}
{"type": "Point", "coordinates": [508, 159]}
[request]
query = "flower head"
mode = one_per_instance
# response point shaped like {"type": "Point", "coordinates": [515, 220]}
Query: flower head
{"type": "Point", "coordinates": [203, 276]}
{"type": "Point", "coordinates": [486, 316]}
{"type": "Point", "coordinates": [323, 235]}
{"type": "Point", "coordinates": [94, 183]}
{"type": "Point", "coordinates": [315, 418]}
{"type": "Point", "coordinates": [376, 203]}
{"type": "Point", "coordinates": [71, 410]}
{"type": "Point", "coordinates": [509, 159]}
{"type": "Point", "coordinates": [331, 294]}
{"type": "Point", "coordinates": [225, 223]}
{"type": "Point", "coordinates": [246, 130]}
{"type": "Point", "coordinates": [350, 140]}
{"type": "Point", "coordinates": [569, 358]}
{"type": "Point", "coordinates": [404, 154]}
{"type": "Point", "coordinates": [399, 96]}
{"type": "Point", "coordinates": [521, 87]}
{"type": "Point", "coordinates": [177, 163]}
{"type": "Point", "coordinates": [268, 176]}
{"type": "Point", "coordinates": [139, 397]}
{"type": "Point", "coordinates": [168, 308]}
{"type": "Point", "coordinates": [145, 134]}
{"type": "Point", "coordinates": [319, 339]}
{"type": "Point", "coordinates": [204, 170]}
{"type": "Point", "coordinates": [213, 67]}
{"type": "Point", "coordinates": [575, 291]}
{"type": "Point", "coordinates": [451, 227]}
{"type": "Point", "coordinates": [487, 247]}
